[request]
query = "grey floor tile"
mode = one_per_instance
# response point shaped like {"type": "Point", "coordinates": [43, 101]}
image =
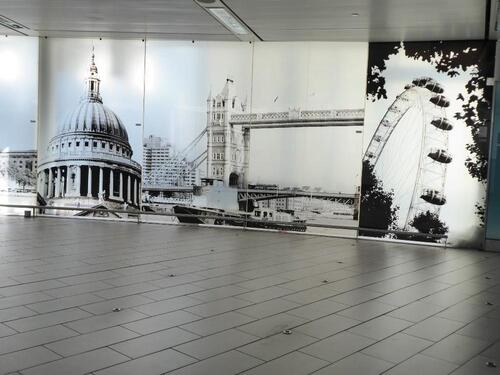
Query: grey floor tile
{"type": "Point", "coordinates": [172, 304]}
{"type": "Point", "coordinates": [161, 322]}
{"type": "Point", "coordinates": [209, 309]}
{"type": "Point", "coordinates": [416, 311]}
{"type": "Point", "coordinates": [123, 303]}
{"type": "Point", "coordinates": [73, 290]}
{"type": "Point", "coordinates": [465, 312]}
{"type": "Point", "coordinates": [311, 295]}
{"type": "Point", "coordinates": [64, 303]}
{"type": "Point", "coordinates": [218, 293]}
{"type": "Point", "coordinates": [208, 326]}
{"type": "Point", "coordinates": [327, 326]}
{"type": "Point", "coordinates": [49, 319]}
{"type": "Point", "coordinates": [14, 313]}
{"type": "Point", "coordinates": [23, 299]}
{"type": "Point", "coordinates": [276, 346]}
{"type": "Point", "coordinates": [80, 364]}
{"type": "Point", "coordinates": [397, 348]}
{"type": "Point", "coordinates": [229, 363]}
{"type": "Point", "coordinates": [126, 290]}
{"type": "Point", "coordinates": [175, 291]}
{"type": "Point", "coordinates": [91, 341]}
{"type": "Point", "coordinates": [338, 346]}
{"type": "Point", "coordinates": [264, 309]}
{"type": "Point", "coordinates": [153, 364]}
{"type": "Point", "coordinates": [154, 342]}
{"type": "Point", "coordinates": [381, 327]}
{"type": "Point", "coordinates": [271, 325]}
{"type": "Point", "coordinates": [477, 366]}
{"type": "Point", "coordinates": [492, 352]}
{"type": "Point", "coordinates": [356, 364]}
{"type": "Point", "coordinates": [265, 294]}
{"type": "Point", "coordinates": [482, 328]}
{"type": "Point", "coordinates": [434, 328]}
{"type": "Point", "coordinates": [34, 338]}
{"type": "Point", "coordinates": [6, 331]}
{"type": "Point", "coordinates": [318, 309]}
{"type": "Point", "coordinates": [356, 296]}
{"type": "Point", "coordinates": [95, 323]}
{"type": "Point", "coordinates": [456, 348]}
{"type": "Point", "coordinates": [423, 365]}
{"type": "Point", "coordinates": [25, 358]}
{"type": "Point", "coordinates": [218, 343]}
{"type": "Point", "coordinates": [295, 363]}
{"type": "Point", "coordinates": [366, 311]}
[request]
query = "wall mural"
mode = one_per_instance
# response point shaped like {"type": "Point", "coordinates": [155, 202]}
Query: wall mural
{"type": "Point", "coordinates": [18, 114]}
{"type": "Point", "coordinates": [230, 127]}
{"type": "Point", "coordinates": [427, 123]}
{"type": "Point", "coordinates": [90, 124]}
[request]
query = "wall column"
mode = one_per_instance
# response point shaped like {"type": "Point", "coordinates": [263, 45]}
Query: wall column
{"type": "Point", "coordinates": [246, 156]}
{"type": "Point", "coordinates": [78, 180]}
{"type": "Point", "coordinates": [128, 189]}
{"type": "Point", "coordinates": [134, 191]}
{"type": "Point", "coordinates": [101, 181]}
{"type": "Point", "coordinates": [89, 182]}
{"type": "Point", "coordinates": [49, 184]}
{"type": "Point", "coordinates": [120, 196]}
{"type": "Point", "coordinates": [58, 183]}
{"type": "Point", "coordinates": [111, 183]}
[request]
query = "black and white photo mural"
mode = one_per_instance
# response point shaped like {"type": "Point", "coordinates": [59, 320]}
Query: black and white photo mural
{"type": "Point", "coordinates": [91, 99]}
{"type": "Point", "coordinates": [428, 113]}
{"type": "Point", "coordinates": [266, 131]}
{"type": "Point", "coordinates": [305, 136]}
{"type": "Point", "coordinates": [18, 127]}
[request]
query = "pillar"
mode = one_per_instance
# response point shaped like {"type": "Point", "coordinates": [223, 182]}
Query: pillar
{"type": "Point", "coordinates": [78, 180]}
{"type": "Point", "coordinates": [120, 196]}
{"type": "Point", "coordinates": [58, 183]}
{"type": "Point", "coordinates": [246, 155]}
{"type": "Point", "coordinates": [50, 186]}
{"type": "Point", "coordinates": [137, 194]}
{"type": "Point", "coordinates": [128, 189]}
{"type": "Point", "coordinates": [101, 180]}
{"type": "Point", "coordinates": [134, 192]}
{"type": "Point", "coordinates": [111, 183]}
{"type": "Point", "coordinates": [89, 182]}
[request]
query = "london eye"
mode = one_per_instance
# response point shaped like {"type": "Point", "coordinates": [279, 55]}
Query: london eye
{"type": "Point", "coordinates": [409, 149]}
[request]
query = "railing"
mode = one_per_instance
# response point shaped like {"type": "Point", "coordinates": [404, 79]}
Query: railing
{"type": "Point", "coordinates": [244, 220]}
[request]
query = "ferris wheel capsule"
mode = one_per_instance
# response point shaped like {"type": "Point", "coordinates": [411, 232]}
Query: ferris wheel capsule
{"type": "Point", "coordinates": [433, 196]}
{"type": "Point", "coordinates": [442, 123]}
{"type": "Point", "coordinates": [440, 101]}
{"type": "Point", "coordinates": [440, 155]}
{"type": "Point", "coordinates": [434, 87]}
{"type": "Point", "coordinates": [422, 81]}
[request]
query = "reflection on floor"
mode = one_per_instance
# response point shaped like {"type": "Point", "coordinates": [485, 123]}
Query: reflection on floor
{"type": "Point", "coordinates": [83, 296]}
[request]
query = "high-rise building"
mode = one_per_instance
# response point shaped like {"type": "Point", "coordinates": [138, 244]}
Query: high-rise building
{"type": "Point", "coordinates": [163, 166]}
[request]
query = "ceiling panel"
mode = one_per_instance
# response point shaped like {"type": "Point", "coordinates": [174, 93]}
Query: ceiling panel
{"type": "Point", "coordinates": [167, 18]}
{"type": "Point", "coordinates": [378, 20]}
{"type": "Point", "coordinates": [271, 20]}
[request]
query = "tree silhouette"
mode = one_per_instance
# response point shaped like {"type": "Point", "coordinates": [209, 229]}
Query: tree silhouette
{"type": "Point", "coordinates": [427, 223]}
{"type": "Point", "coordinates": [376, 209]}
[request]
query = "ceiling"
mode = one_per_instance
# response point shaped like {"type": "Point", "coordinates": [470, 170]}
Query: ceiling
{"type": "Point", "coordinates": [269, 20]}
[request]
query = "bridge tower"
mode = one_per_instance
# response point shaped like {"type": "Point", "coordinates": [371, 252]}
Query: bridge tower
{"type": "Point", "coordinates": [225, 143]}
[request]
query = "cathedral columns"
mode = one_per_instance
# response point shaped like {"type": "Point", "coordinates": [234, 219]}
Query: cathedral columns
{"type": "Point", "coordinates": [89, 183]}
{"type": "Point", "coordinates": [128, 189]}
{"type": "Point", "coordinates": [78, 180]}
{"type": "Point", "coordinates": [58, 183]}
{"type": "Point", "coordinates": [111, 183]}
{"type": "Point", "coordinates": [50, 186]}
{"type": "Point", "coordinates": [101, 181]}
{"type": "Point", "coordinates": [120, 196]}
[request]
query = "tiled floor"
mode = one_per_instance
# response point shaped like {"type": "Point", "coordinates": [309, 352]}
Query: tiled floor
{"type": "Point", "coordinates": [94, 297]}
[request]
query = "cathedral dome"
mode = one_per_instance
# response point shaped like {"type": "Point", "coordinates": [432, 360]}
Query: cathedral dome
{"type": "Point", "coordinates": [92, 116]}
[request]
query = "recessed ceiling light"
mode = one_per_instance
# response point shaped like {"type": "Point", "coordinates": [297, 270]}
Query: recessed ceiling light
{"type": "Point", "coordinates": [223, 15]}
{"type": "Point", "coordinates": [206, 1]}
{"type": "Point", "coordinates": [355, 14]}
